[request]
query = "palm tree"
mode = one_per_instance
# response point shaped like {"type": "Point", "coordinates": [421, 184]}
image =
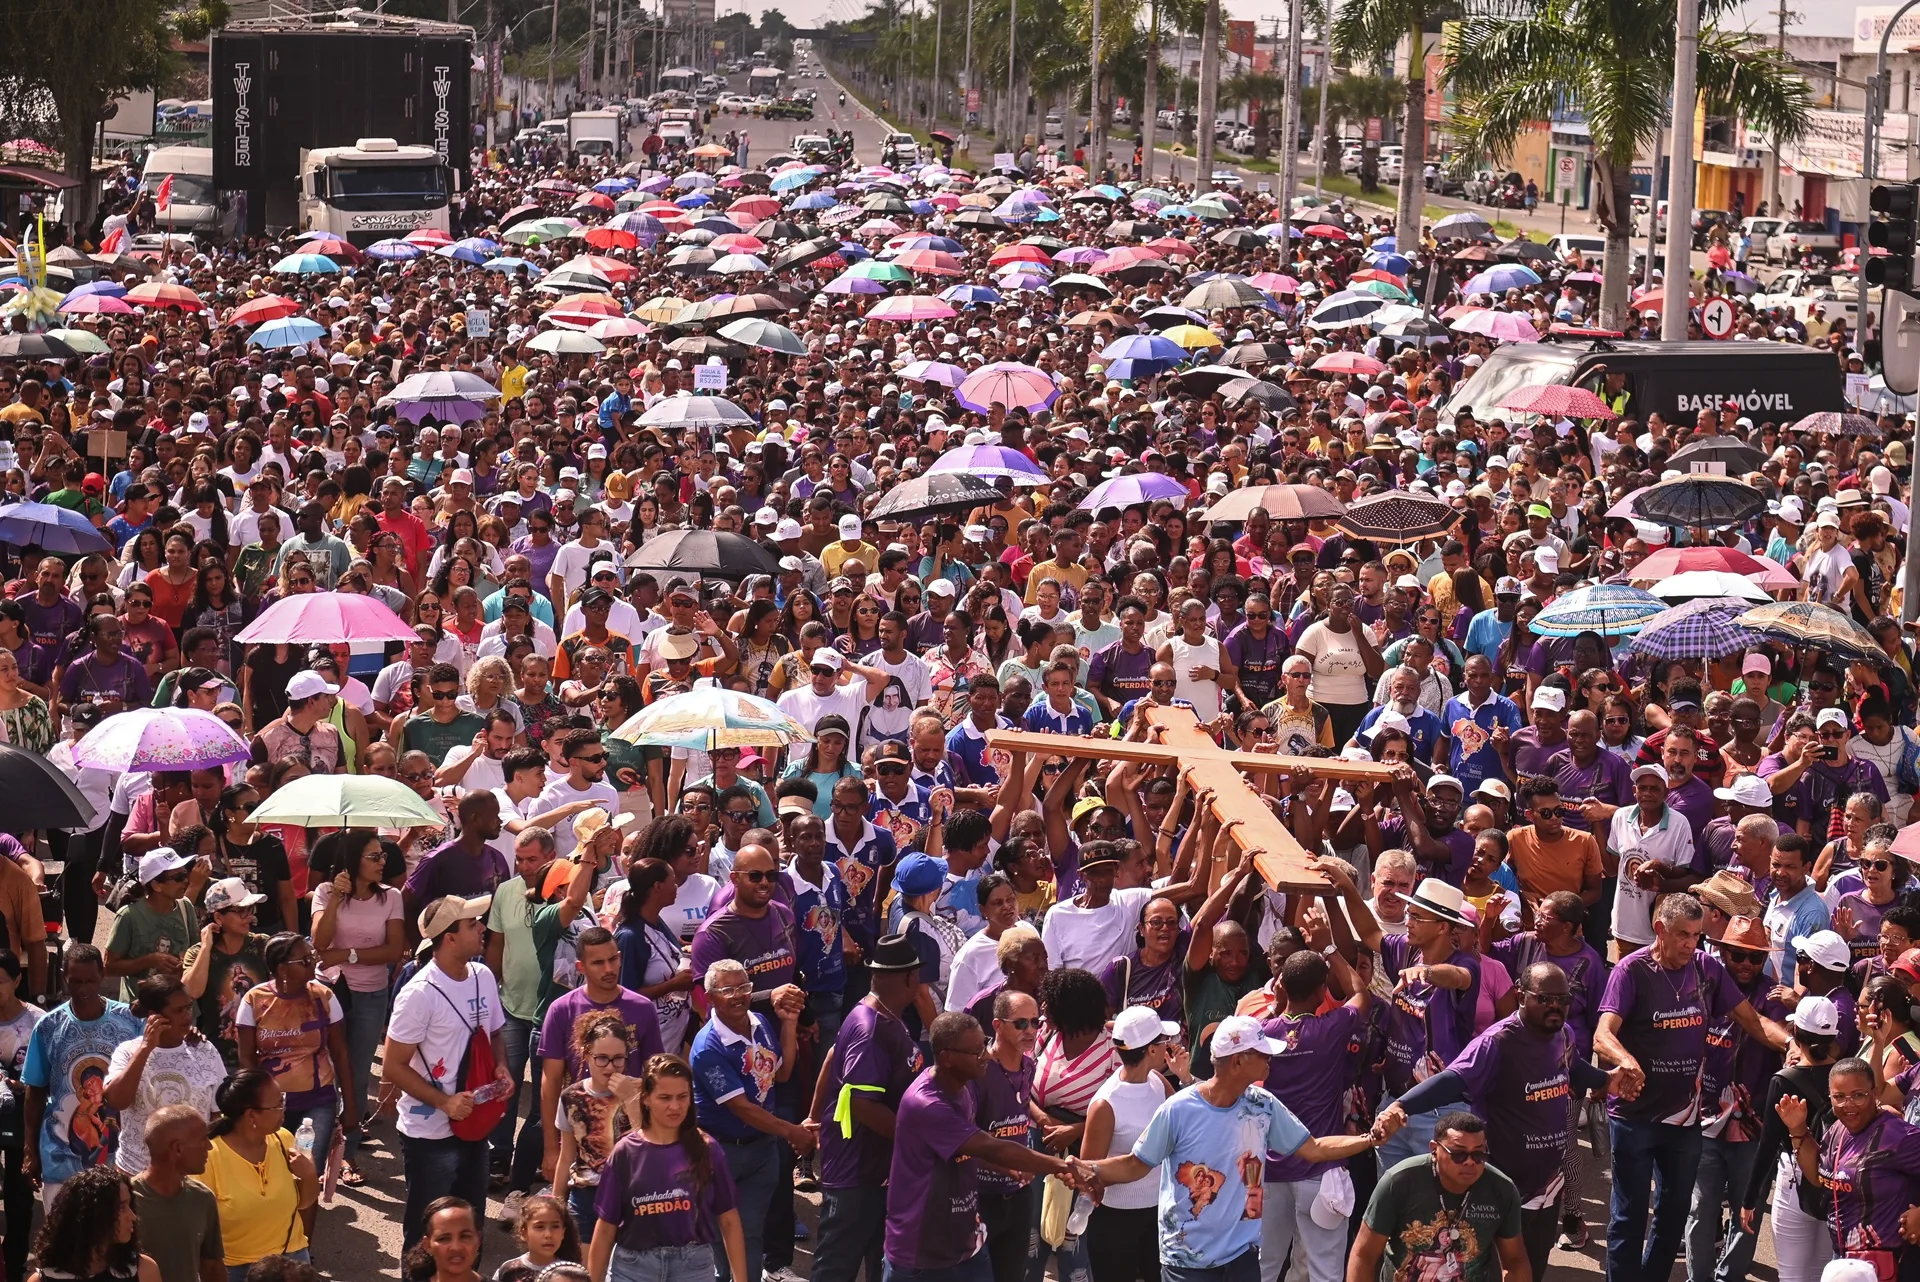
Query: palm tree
{"type": "Point", "coordinates": [1265, 92]}
{"type": "Point", "coordinates": [1207, 105]}
{"type": "Point", "coordinates": [1369, 31]}
{"type": "Point", "coordinates": [1354, 100]}
{"type": "Point", "coordinates": [1615, 59]}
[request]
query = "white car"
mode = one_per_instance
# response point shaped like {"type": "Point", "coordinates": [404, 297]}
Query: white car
{"type": "Point", "coordinates": [1054, 129]}
{"type": "Point", "coordinates": [1242, 140]}
{"type": "Point", "coordinates": [1795, 239]}
{"type": "Point", "coordinates": [1592, 248]}
{"type": "Point", "coordinates": [1228, 179]}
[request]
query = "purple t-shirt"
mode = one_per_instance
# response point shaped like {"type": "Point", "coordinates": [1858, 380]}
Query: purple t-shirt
{"type": "Point", "coordinates": [1664, 1015]}
{"type": "Point", "coordinates": [636, 1010]}
{"type": "Point", "coordinates": [648, 1190]}
{"type": "Point", "coordinates": [1000, 1109]}
{"type": "Point", "coordinates": [765, 945]}
{"type": "Point", "coordinates": [1125, 673]}
{"type": "Point", "coordinates": [1156, 987]}
{"type": "Point", "coordinates": [449, 870]}
{"type": "Point", "coordinates": [933, 1199]}
{"type": "Point", "coordinates": [1874, 1177]}
{"type": "Point", "coordinates": [1311, 1078]}
{"type": "Point", "coordinates": [1736, 1070]}
{"type": "Point", "coordinates": [1426, 1025]}
{"type": "Point", "coordinates": [874, 1049]}
{"type": "Point", "coordinates": [1518, 1082]}
{"type": "Point", "coordinates": [1608, 779]}
{"type": "Point", "coordinates": [1586, 976]}
{"type": "Point", "coordinates": [1694, 802]}
{"type": "Point", "coordinates": [47, 629]}
{"type": "Point", "coordinates": [1823, 787]}
{"type": "Point", "coordinates": [1393, 833]}
{"type": "Point", "coordinates": [1530, 756]}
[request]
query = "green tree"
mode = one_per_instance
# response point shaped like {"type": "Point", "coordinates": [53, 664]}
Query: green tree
{"type": "Point", "coordinates": [1354, 100]}
{"type": "Point", "coordinates": [1614, 58]}
{"type": "Point", "coordinates": [1264, 92]}
{"type": "Point", "coordinates": [83, 54]}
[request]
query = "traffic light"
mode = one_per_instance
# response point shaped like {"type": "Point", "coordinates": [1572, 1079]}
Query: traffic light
{"type": "Point", "coordinates": [1895, 228]}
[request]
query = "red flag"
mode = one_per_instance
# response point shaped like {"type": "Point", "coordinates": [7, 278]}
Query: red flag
{"type": "Point", "coordinates": [115, 241]}
{"type": "Point", "coordinates": [163, 196]}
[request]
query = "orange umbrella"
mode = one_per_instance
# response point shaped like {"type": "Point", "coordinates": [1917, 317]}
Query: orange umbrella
{"type": "Point", "coordinates": [609, 238]}
{"type": "Point", "coordinates": [165, 294]}
{"type": "Point", "coordinates": [258, 311]}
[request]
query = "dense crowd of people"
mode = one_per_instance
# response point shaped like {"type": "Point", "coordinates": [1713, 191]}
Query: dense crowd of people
{"type": "Point", "coordinates": [1590, 914]}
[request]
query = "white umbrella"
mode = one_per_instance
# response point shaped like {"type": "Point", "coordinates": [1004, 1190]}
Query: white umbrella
{"type": "Point", "coordinates": [563, 342]}
{"type": "Point", "coordinates": [1692, 584]}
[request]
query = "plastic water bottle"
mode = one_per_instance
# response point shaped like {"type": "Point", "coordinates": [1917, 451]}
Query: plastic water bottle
{"type": "Point", "coordinates": [1078, 1217]}
{"type": "Point", "coordinates": [303, 1138]}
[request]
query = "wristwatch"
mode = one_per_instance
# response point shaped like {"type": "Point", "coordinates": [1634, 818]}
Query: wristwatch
{"type": "Point", "coordinates": [1329, 951]}
{"type": "Point", "coordinates": [353, 956]}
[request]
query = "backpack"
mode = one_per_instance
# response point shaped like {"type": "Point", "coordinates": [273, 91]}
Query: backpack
{"type": "Point", "coordinates": [477, 1069]}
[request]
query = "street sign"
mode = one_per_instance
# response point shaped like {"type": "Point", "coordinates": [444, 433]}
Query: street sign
{"type": "Point", "coordinates": [1568, 171]}
{"type": "Point", "coordinates": [1373, 129]}
{"type": "Point", "coordinates": [1716, 318]}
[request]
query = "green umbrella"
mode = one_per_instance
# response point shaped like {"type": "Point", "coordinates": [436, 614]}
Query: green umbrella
{"type": "Point", "coordinates": [1211, 209]}
{"type": "Point", "coordinates": [874, 269]}
{"type": "Point", "coordinates": [347, 801]}
{"type": "Point", "coordinates": [86, 342]}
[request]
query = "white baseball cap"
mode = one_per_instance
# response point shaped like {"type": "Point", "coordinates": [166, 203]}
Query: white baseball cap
{"type": "Point", "coordinates": [1139, 1026]}
{"type": "Point", "coordinates": [1747, 790]}
{"type": "Point", "coordinates": [1651, 772]}
{"type": "Point", "coordinates": [1552, 698]}
{"type": "Point", "coordinates": [1816, 1016]}
{"type": "Point", "coordinates": [849, 526]}
{"type": "Point", "coordinates": [305, 685]}
{"type": "Point", "coordinates": [160, 861]}
{"type": "Point", "coordinates": [1547, 558]}
{"type": "Point", "coordinates": [1825, 949]}
{"type": "Point", "coordinates": [1237, 1034]}
{"type": "Point", "coordinates": [787, 529]}
{"type": "Point", "coordinates": [1829, 717]}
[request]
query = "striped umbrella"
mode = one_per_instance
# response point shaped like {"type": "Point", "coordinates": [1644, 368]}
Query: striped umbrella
{"type": "Point", "coordinates": [1611, 609]}
{"type": "Point", "coordinates": [1704, 628]}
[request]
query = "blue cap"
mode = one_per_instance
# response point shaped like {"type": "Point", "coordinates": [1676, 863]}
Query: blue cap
{"type": "Point", "coordinates": [919, 874]}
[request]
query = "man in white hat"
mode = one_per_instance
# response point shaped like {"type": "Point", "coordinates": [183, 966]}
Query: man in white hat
{"type": "Point", "coordinates": [1207, 1141]}
{"type": "Point", "coordinates": [427, 1041]}
{"type": "Point", "coordinates": [1653, 843]}
{"type": "Point", "coordinates": [850, 546]}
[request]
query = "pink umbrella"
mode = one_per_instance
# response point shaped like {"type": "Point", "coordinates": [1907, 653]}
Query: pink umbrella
{"type": "Point", "coordinates": [946, 201]}
{"type": "Point", "coordinates": [1274, 283]}
{"type": "Point", "coordinates": [94, 305]}
{"type": "Point", "coordinates": [907, 308]}
{"type": "Point", "coordinates": [930, 262]}
{"type": "Point", "coordinates": [1009, 383]}
{"type": "Point", "coordinates": [1558, 400]}
{"type": "Point", "coordinates": [755, 207]}
{"type": "Point", "coordinates": [737, 243]}
{"type": "Point", "coordinates": [1508, 327]}
{"type": "Point", "coordinates": [877, 227]}
{"type": "Point", "coordinates": [325, 617]}
{"type": "Point", "coordinates": [1348, 363]}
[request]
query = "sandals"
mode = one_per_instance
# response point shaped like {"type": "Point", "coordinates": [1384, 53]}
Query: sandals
{"type": "Point", "coordinates": [350, 1176]}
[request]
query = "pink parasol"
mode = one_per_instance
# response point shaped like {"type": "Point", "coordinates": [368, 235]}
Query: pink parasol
{"type": "Point", "coordinates": [1508, 327]}
{"type": "Point", "coordinates": [160, 739]}
{"type": "Point", "coordinates": [325, 617]}
{"type": "Point", "coordinates": [930, 262]}
{"type": "Point", "coordinates": [1008, 383]}
{"type": "Point", "coordinates": [1348, 363]}
{"type": "Point", "coordinates": [1558, 400]}
{"type": "Point", "coordinates": [908, 308]}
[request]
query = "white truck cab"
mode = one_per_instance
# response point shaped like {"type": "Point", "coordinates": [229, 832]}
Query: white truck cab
{"type": "Point", "coordinates": [374, 189]}
{"type": "Point", "coordinates": [194, 207]}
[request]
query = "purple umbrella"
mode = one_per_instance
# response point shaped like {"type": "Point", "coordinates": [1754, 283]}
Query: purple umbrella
{"type": "Point", "coordinates": [450, 411]}
{"type": "Point", "coordinates": [1080, 255]}
{"type": "Point", "coordinates": [845, 284]}
{"type": "Point", "coordinates": [656, 184]}
{"type": "Point", "coordinates": [991, 460]}
{"type": "Point", "coordinates": [934, 372]}
{"type": "Point", "coordinates": [1139, 487]}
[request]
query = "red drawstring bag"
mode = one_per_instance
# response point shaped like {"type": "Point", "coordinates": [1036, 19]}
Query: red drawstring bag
{"type": "Point", "coordinates": [477, 1070]}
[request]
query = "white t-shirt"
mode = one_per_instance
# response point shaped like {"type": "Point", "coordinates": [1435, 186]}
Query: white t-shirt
{"type": "Point", "coordinates": [622, 620]}
{"type": "Point", "coordinates": [913, 673]}
{"type": "Point", "coordinates": [691, 906]}
{"type": "Point", "coordinates": [1091, 937]}
{"type": "Point", "coordinates": [974, 967]}
{"type": "Point", "coordinates": [571, 562]}
{"type": "Point", "coordinates": [186, 1074]}
{"type": "Point", "coordinates": [806, 707]}
{"type": "Point", "coordinates": [484, 775]}
{"type": "Point", "coordinates": [441, 1024]}
{"type": "Point", "coordinates": [559, 793]}
{"type": "Point", "coordinates": [527, 809]}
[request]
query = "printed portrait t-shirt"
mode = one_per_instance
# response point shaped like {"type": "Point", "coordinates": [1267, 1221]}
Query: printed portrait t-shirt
{"type": "Point", "coordinates": [1210, 1217]}
{"type": "Point", "coordinates": [67, 1057]}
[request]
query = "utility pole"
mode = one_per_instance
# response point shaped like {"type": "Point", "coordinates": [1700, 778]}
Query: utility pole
{"type": "Point", "coordinates": [1653, 206]}
{"type": "Point", "coordinates": [1150, 95]}
{"type": "Point", "coordinates": [933, 95]}
{"type": "Point", "coordinates": [1325, 81]}
{"type": "Point", "coordinates": [1771, 193]}
{"type": "Point", "coordinates": [553, 38]}
{"type": "Point", "coordinates": [593, 24]}
{"type": "Point", "coordinates": [1679, 281]}
{"type": "Point", "coordinates": [1013, 30]}
{"type": "Point", "coordinates": [493, 69]}
{"type": "Point", "coordinates": [967, 87]}
{"type": "Point", "coordinates": [1209, 104]}
{"type": "Point", "coordinates": [1096, 121]}
{"type": "Point", "coordinates": [1179, 92]}
{"type": "Point", "coordinates": [1290, 145]}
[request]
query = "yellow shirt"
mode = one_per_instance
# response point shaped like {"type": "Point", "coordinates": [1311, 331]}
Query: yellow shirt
{"type": "Point", "coordinates": [513, 383]}
{"type": "Point", "coordinates": [259, 1205]}
{"type": "Point", "coordinates": [837, 553]}
{"type": "Point", "coordinates": [1071, 576]}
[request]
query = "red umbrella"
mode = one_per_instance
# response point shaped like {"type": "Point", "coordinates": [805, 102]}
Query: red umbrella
{"type": "Point", "coordinates": [1020, 254]}
{"type": "Point", "coordinates": [333, 247]}
{"type": "Point", "coordinates": [755, 207]}
{"type": "Point", "coordinates": [1173, 247]}
{"type": "Point", "coordinates": [1558, 400]}
{"type": "Point", "coordinates": [595, 200]}
{"type": "Point", "coordinates": [1374, 273]}
{"type": "Point", "coordinates": [1668, 562]}
{"type": "Point", "coordinates": [1127, 256]}
{"type": "Point", "coordinates": [1326, 232]}
{"type": "Point", "coordinates": [258, 311]}
{"type": "Point", "coordinates": [737, 243]}
{"type": "Point", "coordinates": [165, 294]}
{"type": "Point", "coordinates": [431, 237]}
{"type": "Point", "coordinates": [608, 238]}
{"type": "Point", "coordinates": [930, 262]}
{"type": "Point", "coordinates": [612, 268]}
{"type": "Point", "coordinates": [1348, 363]}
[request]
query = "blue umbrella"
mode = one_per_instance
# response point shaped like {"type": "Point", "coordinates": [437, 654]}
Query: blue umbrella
{"type": "Point", "coordinates": [1698, 629]}
{"type": "Point", "coordinates": [290, 331]}
{"type": "Point", "coordinates": [110, 288]}
{"type": "Point", "coordinates": [481, 243]}
{"type": "Point", "coordinates": [1129, 368]}
{"type": "Point", "coordinates": [1501, 278]}
{"type": "Point", "coordinates": [812, 200]}
{"type": "Point", "coordinates": [465, 253]}
{"type": "Point", "coordinates": [1109, 191]}
{"type": "Point", "coordinates": [1147, 347]}
{"type": "Point", "coordinates": [967, 295]}
{"type": "Point", "coordinates": [693, 200]}
{"type": "Point", "coordinates": [1395, 263]}
{"type": "Point", "coordinates": [1386, 244]}
{"type": "Point", "coordinates": [55, 529]}
{"type": "Point", "coordinates": [510, 265]}
{"type": "Point", "coordinates": [1133, 488]}
{"type": "Point", "coordinates": [1274, 231]}
{"type": "Point", "coordinates": [794, 179]}
{"type": "Point", "coordinates": [945, 244]}
{"type": "Point", "coordinates": [307, 265]}
{"type": "Point", "coordinates": [615, 186]}
{"type": "Point", "coordinates": [921, 207]}
{"type": "Point", "coordinates": [854, 253]}
{"type": "Point", "coordinates": [395, 251]}
{"type": "Point", "coordinates": [1610, 609]}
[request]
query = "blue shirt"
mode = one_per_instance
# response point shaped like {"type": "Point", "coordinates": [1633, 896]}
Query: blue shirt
{"type": "Point", "coordinates": [727, 1066]}
{"type": "Point", "coordinates": [1422, 727]}
{"type": "Point", "coordinates": [64, 1054]}
{"type": "Point", "coordinates": [817, 915]}
{"type": "Point", "coordinates": [915, 808]}
{"type": "Point", "coordinates": [859, 869]}
{"type": "Point", "coordinates": [1042, 719]}
{"type": "Point", "coordinates": [1203, 1154]}
{"type": "Point", "coordinates": [967, 745]}
{"type": "Point", "coordinates": [494, 606]}
{"type": "Point", "coordinates": [123, 532]}
{"type": "Point", "coordinates": [1470, 755]}
{"type": "Point", "coordinates": [1486, 634]}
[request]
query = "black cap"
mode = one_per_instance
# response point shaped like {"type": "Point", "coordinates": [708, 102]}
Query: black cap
{"type": "Point", "coordinates": [893, 954]}
{"type": "Point", "coordinates": [595, 596]}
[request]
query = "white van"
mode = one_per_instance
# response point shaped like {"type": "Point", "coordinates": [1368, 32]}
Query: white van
{"type": "Point", "coordinates": [194, 208]}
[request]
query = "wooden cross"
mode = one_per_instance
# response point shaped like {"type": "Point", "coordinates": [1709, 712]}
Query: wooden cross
{"type": "Point", "coordinates": [1182, 743]}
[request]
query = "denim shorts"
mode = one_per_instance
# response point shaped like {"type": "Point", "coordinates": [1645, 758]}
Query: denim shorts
{"type": "Point", "coordinates": [690, 1263]}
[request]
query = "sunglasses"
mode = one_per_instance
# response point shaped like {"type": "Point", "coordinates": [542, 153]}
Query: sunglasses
{"type": "Point", "coordinates": [416, 776]}
{"type": "Point", "coordinates": [601, 756]}
{"type": "Point", "coordinates": [1464, 1156]}
{"type": "Point", "coordinates": [891, 768]}
{"type": "Point", "coordinates": [1020, 1024]}
{"type": "Point", "coordinates": [1876, 865]}
{"type": "Point", "coordinates": [446, 694]}
{"type": "Point", "coordinates": [755, 875]}
{"type": "Point", "coordinates": [1743, 956]}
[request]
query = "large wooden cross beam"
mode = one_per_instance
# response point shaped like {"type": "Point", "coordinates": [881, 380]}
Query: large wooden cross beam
{"type": "Point", "coordinates": [1183, 744]}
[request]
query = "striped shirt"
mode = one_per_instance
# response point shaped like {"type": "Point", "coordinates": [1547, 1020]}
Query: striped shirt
{"type": "Point", "coordinates": [1070, 1084]}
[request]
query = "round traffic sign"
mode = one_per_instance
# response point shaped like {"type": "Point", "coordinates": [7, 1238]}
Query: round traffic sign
{"type": "Point", "coordinates": [1716, 318]}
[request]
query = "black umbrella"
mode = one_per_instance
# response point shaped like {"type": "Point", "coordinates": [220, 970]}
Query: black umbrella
{"type": "Point", "coordinates": [34, 347]}
{"type": "Point", "coordinates": [806, 252]}
{"type": "Point", "coordinates": [758, 303]}
{"type": "Point", "coordinates": [883, 202]}
{"type": "Point", "coordinates": [1256, 354]}
{"type": "Point", "coordinates": [709, 552]}
{"type": "Point", "coordinates": [520, 214]}
{"type": "Point", "coordinates": [1271, 395]}
{"type": "Point", "coordinates": [1134, 229]}
{"type": "Point", "coordinates": [1834, 423]}
{"type": "Point", "coordinates": [1699, 499]}
{"type": "Point", "coordinates": [934, 494]}
{"type": "Point", "coordinates": [704, 345]}
{"type": "Point", "coordinates": [1052, 244]}
{"type": "Point", "coordinates": [1226, 292]}
{"type": "Point", "coordinates": [980, 218]}
{"type": "Point", "coordinates": [1737, 455]}
{"type": "Point", "coordinates": [38, 795]}
{"type": "Point", "coordinates": [1239, 238]}
{"type": "Point", "coordinates": [783, 229]}
{"type": "Point", "coordinates": [1521, 249]}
